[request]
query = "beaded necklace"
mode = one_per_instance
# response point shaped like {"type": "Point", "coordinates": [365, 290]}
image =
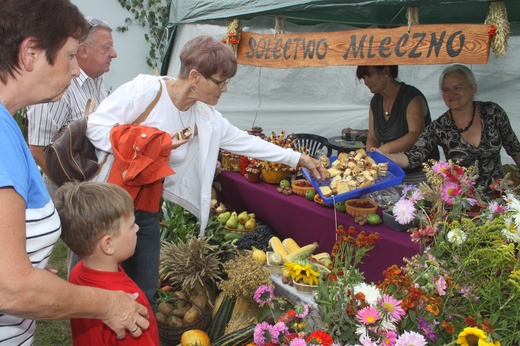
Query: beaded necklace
{"type": "Point", "coordinates": [470, 122]}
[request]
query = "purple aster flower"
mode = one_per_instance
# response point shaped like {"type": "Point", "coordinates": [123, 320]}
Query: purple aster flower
{"type": "Point", "coordinates": [278, 329]}
{"type": "Point", "coordinates": [404, 211]}
{"type": "Point", "coordinates": [406, 188]}
{"type": "Point", "coordinates": [468, 202]}
{"type": "Point", "coordinates": [261, 332]}
{"type": "Point", "coordinates": [264, 294]}
{"type": "Point", "coordinates": [410, 339]}
{"type": "Point", "coordinates": [367, 341]}
{"type": "Point", "coordinates": [416, 196]}
{"type": "Point", "coordinates": [450, 190]}
{"type": "Point", "coordinates": [298, 342]}
{"type": "Point", "coordinates": [302, 310]}
{"type": "Point", "coordinates": [390, 338]}
{"type": "Point", "coordinates": [440, 285]}
{"type": "Point", "coordinates": [441, 167]}
{"type": "Point", "coordinates": [426, 329]}
{"type": "Point", "coordinates": [392, 306]}
{"type": "Point", "coordinates": [494, 207]}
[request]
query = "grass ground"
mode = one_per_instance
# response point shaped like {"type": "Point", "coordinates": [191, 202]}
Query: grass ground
{"type": "Point", "coordinates": [52, 333]}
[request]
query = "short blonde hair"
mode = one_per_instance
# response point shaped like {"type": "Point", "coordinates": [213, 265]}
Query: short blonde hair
{"type": "Point", "coordinates": [89, 211]}
{"type": "Point", "coordinates": [461, 70]}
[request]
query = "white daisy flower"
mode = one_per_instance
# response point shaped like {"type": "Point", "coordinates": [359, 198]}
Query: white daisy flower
{"type": "Point", "coordinates": [456, 236]}
{"type": "Point", "coordinates": [511, 232]}
{"type": "Point", "coordinates": [371, 292]}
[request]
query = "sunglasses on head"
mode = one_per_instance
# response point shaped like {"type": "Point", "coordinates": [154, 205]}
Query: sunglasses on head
{"type": "Point", "coordinates": [93, 22]}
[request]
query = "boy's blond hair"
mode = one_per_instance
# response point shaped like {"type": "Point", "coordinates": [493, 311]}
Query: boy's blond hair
{"type": "Point", "coordinates": [89, 211]}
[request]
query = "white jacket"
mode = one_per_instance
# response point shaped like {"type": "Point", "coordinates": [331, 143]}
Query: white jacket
{"type": "Point", "coordinates": [190, 186]}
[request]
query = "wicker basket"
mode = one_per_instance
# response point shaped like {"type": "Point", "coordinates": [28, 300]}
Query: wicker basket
{"type": "Point", "coordinates": [356, 211]}
{"type": "Point", "coordinates": [304, 288]}
{"type": "Point", "coordinates": [241, 231]}
{"type": "Point", "coordinates": [171, 336]}
{"type": "Point", "coordinates": [301, 190]}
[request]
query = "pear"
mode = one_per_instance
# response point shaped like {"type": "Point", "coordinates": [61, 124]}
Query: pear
{"type": "Point", "coordinates": [220, 208]}
{"type": "Point", "coordinates": [258, 255]}
{"type": "Point", "coordinates": [232, 222]}
{"type": "Point", "coordinates": [250, 224]}
{"type": "Point", "coordinates": [240, 226]}
{"type": "Point", "coordinates": [252, 215]}
{"type": "Point", "coordinates": [224, 217]}
{"type": "Point", "coordinates": [243, 217]}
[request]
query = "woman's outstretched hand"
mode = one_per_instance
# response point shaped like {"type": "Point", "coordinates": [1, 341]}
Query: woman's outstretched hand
{"type": "Point", "coordinates": [313, 166]}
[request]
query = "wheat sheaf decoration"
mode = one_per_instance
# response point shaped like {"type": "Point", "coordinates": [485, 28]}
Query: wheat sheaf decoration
{"type": "Point", "coordinates": [497, 18]}
{"type": "Point", "coordinates": [233, 34]}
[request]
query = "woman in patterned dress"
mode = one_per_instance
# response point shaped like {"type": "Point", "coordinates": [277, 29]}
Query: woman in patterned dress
{"type": "Point", "coordinates": [468, 132]}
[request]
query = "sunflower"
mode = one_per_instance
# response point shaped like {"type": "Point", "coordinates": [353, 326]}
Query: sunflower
{"type": "Point", "coordinates": [471, 336]}
{"type": "Point", "coordinates": [303, 271]}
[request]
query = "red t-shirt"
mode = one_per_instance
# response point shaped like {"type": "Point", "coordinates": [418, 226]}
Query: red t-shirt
{"type": "Point", "coordinates": [87, 332]}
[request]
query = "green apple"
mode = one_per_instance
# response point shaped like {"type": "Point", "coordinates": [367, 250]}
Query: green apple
{"type": "Point", "coordinates": [340, 206]}
{"type": "Point", "coordinates": [309, 194]}
{"type": "Point", "coordinates": [373, 219]}
{"type": "Point", "coordinates": [285, 183]}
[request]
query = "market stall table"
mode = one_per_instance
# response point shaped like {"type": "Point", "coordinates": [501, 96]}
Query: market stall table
{"type": "Point", "coordinates": [305, 221]}
{"type": "Point", "coordinates": [341, 145]}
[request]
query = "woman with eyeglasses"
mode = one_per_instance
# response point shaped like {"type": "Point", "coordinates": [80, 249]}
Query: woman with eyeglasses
{"type": "Point", "coordinates": [39, 41]}
{"type": "Point", "coordinates": [185, 102]}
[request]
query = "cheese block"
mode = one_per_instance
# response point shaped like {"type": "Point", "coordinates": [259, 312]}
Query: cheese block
{"type": "Point", "coordinates": [342, 187]}
{"type": "Point", "coordinates": [326, 191]}
{"type": "Point", "coordinates": [334, 172]}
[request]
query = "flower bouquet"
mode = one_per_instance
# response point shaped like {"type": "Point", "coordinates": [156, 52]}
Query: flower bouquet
{"type": "Point", "coordinates": [448, 194]}
{"type": "Point", "coordinates": [289, 328]}
{"type": "Point", "coordinates": [464, 287]}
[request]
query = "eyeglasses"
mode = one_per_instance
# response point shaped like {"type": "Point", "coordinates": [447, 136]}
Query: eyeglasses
{"type": "Point", "coordinates": [93, 22]}
{"type": "Point", "coordinates": [220, 84]}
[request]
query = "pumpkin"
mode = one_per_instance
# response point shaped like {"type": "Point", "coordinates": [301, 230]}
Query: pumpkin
{"type": "Point", "coordinates": [195, 337]}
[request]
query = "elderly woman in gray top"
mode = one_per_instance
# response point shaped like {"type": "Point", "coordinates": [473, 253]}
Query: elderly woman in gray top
{"type": "Point", "coordinates": [467, 132]}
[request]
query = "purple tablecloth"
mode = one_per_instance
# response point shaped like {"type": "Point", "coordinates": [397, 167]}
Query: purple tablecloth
{"type": "Point", "coordinates": [305, 221]}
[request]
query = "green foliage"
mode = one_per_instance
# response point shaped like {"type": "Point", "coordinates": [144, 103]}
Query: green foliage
{"type": "Point", "coordinates": [152, 15]}
{"type": "Point", "coordinates": [51, 333]}
{"type": "Point", "coordinates": [21, 119]}
{"type": "Point", "coordinates": [179, 224]}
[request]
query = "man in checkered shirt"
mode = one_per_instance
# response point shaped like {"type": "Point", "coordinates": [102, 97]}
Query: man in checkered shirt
{"type": "Point", "coordinates": [94, 57]}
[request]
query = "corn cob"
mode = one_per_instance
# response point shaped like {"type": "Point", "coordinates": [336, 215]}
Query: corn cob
{"type": "Point", "coordinates": [290, 245]}
{"type": "Point", "coordinates": [276, 244]}
{"type": "Point", "coordinates": [320, 255]}
{"type": "Point", "coordinates": [303, 252]}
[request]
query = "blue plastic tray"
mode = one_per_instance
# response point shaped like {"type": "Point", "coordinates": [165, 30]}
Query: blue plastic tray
{"type": "Point", "coordinates": [393, 177]}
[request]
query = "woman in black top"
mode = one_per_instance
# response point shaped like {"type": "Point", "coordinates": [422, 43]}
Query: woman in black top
{"type": "Point", "coordinates": [468, 131]}
{"type": "Point", "coordinates": [398, 115]}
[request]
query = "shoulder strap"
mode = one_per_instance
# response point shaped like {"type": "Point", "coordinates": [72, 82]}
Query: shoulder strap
{"type": "Point", "coordinates": [147, 111]}
{"type": "Point", "coordinates": [91, 103]}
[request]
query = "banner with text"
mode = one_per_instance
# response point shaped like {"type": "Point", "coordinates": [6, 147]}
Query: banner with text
{"type": "Point", "coordinates": [423, 45]}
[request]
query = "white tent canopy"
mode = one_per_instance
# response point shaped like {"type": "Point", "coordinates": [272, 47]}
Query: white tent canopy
{"type": "Point", "coordinates": [327, 99]}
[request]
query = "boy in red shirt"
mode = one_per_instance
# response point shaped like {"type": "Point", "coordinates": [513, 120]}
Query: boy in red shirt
{"type": "Point", "coordinates": [98, 225]}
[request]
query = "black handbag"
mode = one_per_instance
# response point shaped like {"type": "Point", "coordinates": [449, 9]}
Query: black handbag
{"type": "Point", "coordinates": [71, 156]}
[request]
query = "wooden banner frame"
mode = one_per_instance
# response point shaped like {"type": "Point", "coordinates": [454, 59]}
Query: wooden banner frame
{"type": "Point", "coordinates": [423, 45]}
